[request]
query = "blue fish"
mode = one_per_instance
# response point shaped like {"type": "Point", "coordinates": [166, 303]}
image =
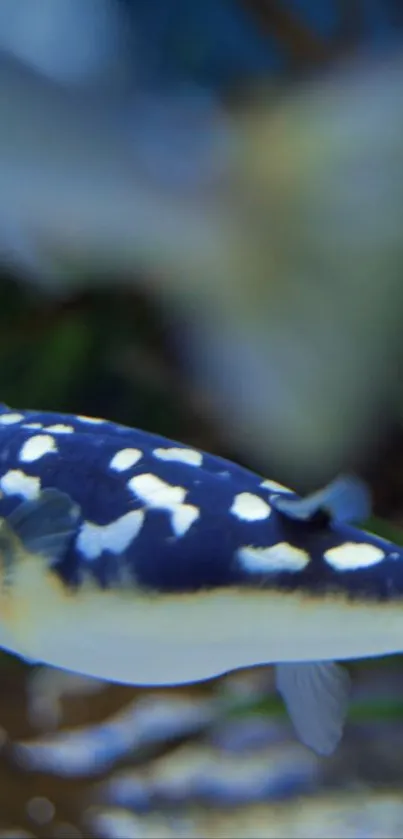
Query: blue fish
{"type": "Point", "coordinates": [136, 559]}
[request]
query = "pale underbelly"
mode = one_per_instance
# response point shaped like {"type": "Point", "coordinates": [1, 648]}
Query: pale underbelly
{"type": "Point", "coordinates": [171, 639]}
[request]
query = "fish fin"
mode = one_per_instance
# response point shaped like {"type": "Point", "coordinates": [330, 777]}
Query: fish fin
{"type": "Point", "coordinates": [46, 524]}
{"type": "Point", "coordinates": [346, 499]}
{"type": "Point", "coordinates": [316, 696]}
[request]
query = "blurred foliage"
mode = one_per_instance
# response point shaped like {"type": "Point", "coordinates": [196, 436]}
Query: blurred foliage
{"type": "Point", "coordinates": [111, 352]}
{"type": "Point", "coordinates": [103, 353]}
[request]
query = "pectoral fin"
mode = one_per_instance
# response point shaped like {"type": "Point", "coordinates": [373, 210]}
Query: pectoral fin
{"type": "Point", "coordinates": [46, 525]}
{"type": "Point", "coordinates": [316, 696]}
{"type": "Point", "coordinates": [346, 499]}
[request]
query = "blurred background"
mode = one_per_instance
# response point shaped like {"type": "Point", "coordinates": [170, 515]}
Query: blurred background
{"type": "Point", "coordinates": [201, 235]}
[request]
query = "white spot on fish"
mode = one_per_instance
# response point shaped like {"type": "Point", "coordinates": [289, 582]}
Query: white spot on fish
{"type": "Point", "coordinates": [36, 447]}
{"type": "Point", "coordinates": [277, 558]}
{"type": "Point", "coordinates": [160, 495]}
{"type": "Point", "coordinates": [60, 429]}
{"type": "Point", "coordinates": [115, 537]}
{"type": "Point", "coordinates": [16, 482]}
{"type": "Point", "coordinates": [10, 419]}
{"type": "Point", "coordinates": [155, 492]}
{"type": "Point", "coordinates": [93, 420]}
{"type": "Point", "coordinates": [32, 425]}
{"type": "Point", "coordinates": [125, 459]}
{"type": "Point", "coordinates": [181, 455]}
{"type": "Point", "coordinates": [250, 507]}
{"type": "Point", "coordinates": [273, 486]}
{"type": "Point", "coordinates": [352, 555]}
{"type": "Point", "coordinates": [183, 518]}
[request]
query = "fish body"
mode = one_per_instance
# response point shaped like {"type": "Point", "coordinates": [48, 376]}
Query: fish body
{"type": "Point", "coordinates": [136, 559]}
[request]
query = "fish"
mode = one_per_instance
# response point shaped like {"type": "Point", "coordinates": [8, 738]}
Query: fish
{"type": "Point", "coordinates": [136, 559]}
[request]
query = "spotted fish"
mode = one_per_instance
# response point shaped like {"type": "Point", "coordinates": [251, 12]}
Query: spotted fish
{"type": "Point", "coordinates": [136, 559]}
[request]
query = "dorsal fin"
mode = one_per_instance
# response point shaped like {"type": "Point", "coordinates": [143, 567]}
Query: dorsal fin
{"type": "Point", "coordinates": [346, 499]}
{"type": "Point", "coordinates": [46, 524]}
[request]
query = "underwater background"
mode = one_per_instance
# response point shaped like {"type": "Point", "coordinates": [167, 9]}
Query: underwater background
{"type": "Point", "coordinates": [80, 758]}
